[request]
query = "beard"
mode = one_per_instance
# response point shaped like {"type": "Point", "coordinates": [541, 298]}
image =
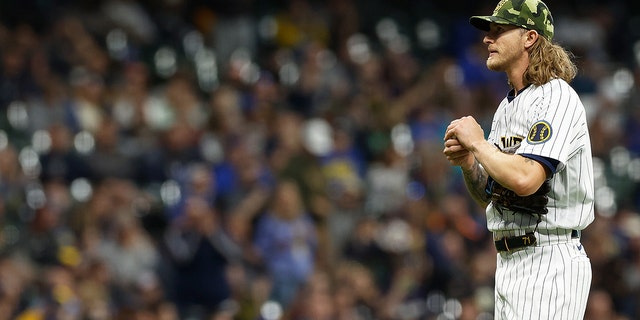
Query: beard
{"type": "Point", "coordinates": [496, 63]}
{"type": "Point", "coordinates": [507, 57]}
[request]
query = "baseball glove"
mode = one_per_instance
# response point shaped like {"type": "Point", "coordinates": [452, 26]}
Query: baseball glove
{"type": "Point", "coordinates": [503, 198]}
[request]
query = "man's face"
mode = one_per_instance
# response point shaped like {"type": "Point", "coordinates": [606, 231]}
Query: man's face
{"type": "Point", "coordinates": [505, 45]}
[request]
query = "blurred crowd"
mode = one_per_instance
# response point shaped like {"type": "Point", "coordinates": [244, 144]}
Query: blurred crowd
{"type": "Point", "coordinates": [263, 160]}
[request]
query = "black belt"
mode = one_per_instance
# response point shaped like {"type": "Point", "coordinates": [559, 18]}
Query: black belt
{"type": "Point", "coordinates": [523, 241]}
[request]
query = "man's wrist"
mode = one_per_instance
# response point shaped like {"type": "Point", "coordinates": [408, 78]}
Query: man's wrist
{"type": "Point", "coordinates": [470, 167]}
{"type": "Point", "coordinates": [480, 148]}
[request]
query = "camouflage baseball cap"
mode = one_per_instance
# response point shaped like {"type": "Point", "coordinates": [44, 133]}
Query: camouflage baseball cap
{"type": "Point", "coordinates": [528, 14]}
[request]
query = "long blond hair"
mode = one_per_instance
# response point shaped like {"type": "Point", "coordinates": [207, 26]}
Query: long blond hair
{"type": "Point", "coordinates": [548, 61]}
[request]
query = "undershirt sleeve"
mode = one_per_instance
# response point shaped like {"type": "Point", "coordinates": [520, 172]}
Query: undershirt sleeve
{"type": "Point", "coordinates": [550, 163]}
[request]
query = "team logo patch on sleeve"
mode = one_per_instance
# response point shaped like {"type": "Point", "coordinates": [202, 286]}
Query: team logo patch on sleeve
{"type": "Point", "coordinates": [539, 132]}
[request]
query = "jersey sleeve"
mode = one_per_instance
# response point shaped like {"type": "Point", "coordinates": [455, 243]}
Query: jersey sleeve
{"type": "Point", "coordinates": [551, 164]}
{"type": "Point", "coordinates": [554, 126]}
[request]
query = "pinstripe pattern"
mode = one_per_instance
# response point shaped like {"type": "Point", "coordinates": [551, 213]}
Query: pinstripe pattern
{"type": "Point", "coordinates": [552, 279]}
{"type": "Point", "coordinates": [557, 290]}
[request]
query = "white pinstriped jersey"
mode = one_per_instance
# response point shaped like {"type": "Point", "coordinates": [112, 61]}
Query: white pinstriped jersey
{"type": "Point", "coordinates": [548, 121]}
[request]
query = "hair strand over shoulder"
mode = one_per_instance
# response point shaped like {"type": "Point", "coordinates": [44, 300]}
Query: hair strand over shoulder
{"type": "Point", "coordinates": [548, 61]}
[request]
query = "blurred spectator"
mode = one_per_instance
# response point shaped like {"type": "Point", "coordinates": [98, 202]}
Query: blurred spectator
{"type": "Point", "coordinates": [12, 187]}
{"type": "Point", "coordinates": [290, 159]}
{"type": "Point", "coordinates": [129, 254]}
{"type": "Point", "coordinates": [250, 289]}
{"type": "Point", "coordinates": [343, 167]}
{"type": "Point", "coordinates": [48, 240]}
{"type": "Point", "coordinates": [199, 252]}
{"type": "Point", "coordinates": [387, 179]}
{"type": "Point", "coordinates": [243, 186]}
{"type": "Point", "coordinates": [357, 294]}
{"type": "Point", "coordinates": [47, 108]}
{"type": "Point", "coordinates": [228, 25]}
{"type": "Point", "coordinates": [96, 289]}
{"type": "Point", "coordinates": [58, 294]}
{"type": "Point", "coordinates": [286, 240]}
{"type": "Point", "coordinates": [301, 22]}
{"type": "Point", "coordinates": [108, 159]}
{"type": "Point", "coordinates": [182, 104]}
{"type": "Point", "coordinates": [132, 17]}
{"type": "Point", "coordinates": [16, 82]}
{"type": "Point", "coordinates": [61, 162]}
{"type": "Point", "coordinates": [600, 306]}
{"type": "Point", "coordinates": [85, 109]}
{"type": "Point", "coordinates": [176, 149]}
{"type": "Point", "coordinates": [629, 225]}
{"type": "Point", "coordinates": [17, 276]}
{"type": "Point", "coordinates": [226, 116]}
{"type": "Point", "coordinates": [315, 300]}
{"type": "Point", "coordinates": [131, 101]}
{"type": "Point", "coordinates": [322, 83]}
{"type": "Point", "coordinates": [364, 248]}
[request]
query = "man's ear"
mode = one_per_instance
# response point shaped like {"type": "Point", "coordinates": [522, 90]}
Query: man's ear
{"type": "Point", "coordinates": [532, 37]}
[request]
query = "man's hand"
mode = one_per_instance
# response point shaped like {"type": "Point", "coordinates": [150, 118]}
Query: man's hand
{"type": "Point", "coordinates": [467, 131]}
{"type": "Point", "coordinates": [457, 154]}
{"type": "Point", "coordinates": [460, 139]}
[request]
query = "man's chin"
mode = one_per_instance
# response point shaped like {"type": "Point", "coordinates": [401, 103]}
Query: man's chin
{"type": "Point", "coordinates": [493, 65]}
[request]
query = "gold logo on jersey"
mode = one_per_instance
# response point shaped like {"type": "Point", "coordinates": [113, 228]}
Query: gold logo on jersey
{"type": "Point", "coordinates": [510, 144]}
{"type": "Point", "coordinates": [539, 132]}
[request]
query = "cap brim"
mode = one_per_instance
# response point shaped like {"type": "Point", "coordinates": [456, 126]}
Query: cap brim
{"type": "Point", "coordinates": [482, 22]}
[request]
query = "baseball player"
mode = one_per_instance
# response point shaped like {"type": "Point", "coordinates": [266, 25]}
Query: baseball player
{"type": "Point", "coordinates": [533, 173]}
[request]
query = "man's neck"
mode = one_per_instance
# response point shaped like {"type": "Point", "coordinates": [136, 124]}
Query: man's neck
{"type": "Point", "coordinates": [516, 74]}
